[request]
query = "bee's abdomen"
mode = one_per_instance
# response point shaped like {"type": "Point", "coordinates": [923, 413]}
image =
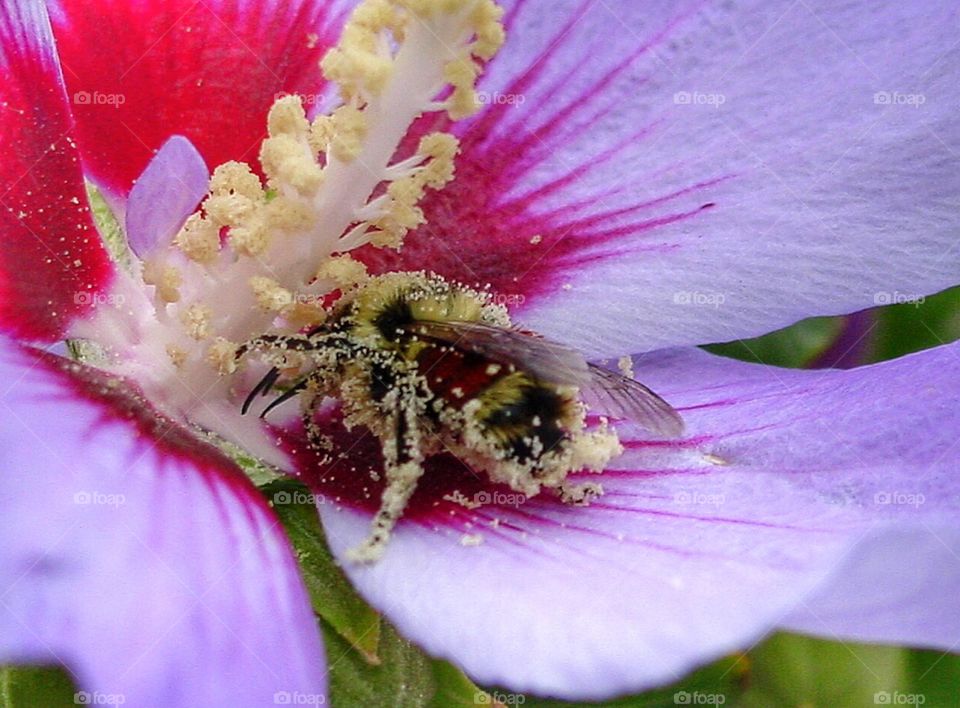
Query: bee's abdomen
{"type": "Point", "coordinates": [455, 376]}
{"type": "Point", "coordinates": [529, 425]}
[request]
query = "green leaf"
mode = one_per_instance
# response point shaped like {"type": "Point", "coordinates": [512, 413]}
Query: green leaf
{"type": "Point", "coordinates": [454, 689]}
{"type": "Point", "coordinates": [720, 683]}
{"type": "Point", "coordinates": [31, 686]}
{"type": "Point", "coordinates": [796, 670]}
{"type": "Point", "coordinates": [332, 596]}
{"type": "Point", "coordinates": [921, 324]}
{"type": "Point", "coordinates": [404, 677]}
{"type": "Point", "coordinates": [109, 227]}
{"type": "Point", "coordinates": [795, 346]}
{"type": "Point", "coordinates": [934, 675]}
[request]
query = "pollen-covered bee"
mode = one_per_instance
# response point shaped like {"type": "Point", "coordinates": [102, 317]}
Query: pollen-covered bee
{"type": "Point", "coordinates": [430, 366]}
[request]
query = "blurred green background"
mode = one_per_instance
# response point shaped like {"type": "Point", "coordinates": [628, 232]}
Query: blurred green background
{"type": "Point", "coordinates": [372, 666]}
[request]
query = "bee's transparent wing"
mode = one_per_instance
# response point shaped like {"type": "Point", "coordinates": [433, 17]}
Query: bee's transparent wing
{"type": "Point", "coordinates": [622, 397]}
{"type": "Point", "coordinates": [546, 360]}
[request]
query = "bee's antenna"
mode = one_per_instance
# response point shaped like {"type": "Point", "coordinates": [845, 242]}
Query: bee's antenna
{"type": "Point", "coordinates": [266, 383]}
{"type": "Point", "coordinates": [284, 397]}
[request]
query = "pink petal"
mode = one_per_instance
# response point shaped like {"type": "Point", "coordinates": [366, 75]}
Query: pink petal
{"type": "Point", "coordinates": [606, 177]}
{"type": "Point", "coordinates": [792, 489]}
{"type": "Point", "coordinates": [52, 262]}
{"type": "Point", "coordinates": [144, 70]}
{"type": "Point", "coordinates": [137, 556]}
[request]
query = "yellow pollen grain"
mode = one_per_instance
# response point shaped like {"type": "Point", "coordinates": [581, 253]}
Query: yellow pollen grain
{"type": "Point", "coordinates": [356, 63]}
{"type": "Point", "coordinates": [487, 19]}
{"type": "Point", "coordinates": [199, 240]}
{"type": "Point", "coordinates": [442, 148]}
{"type": "Point", "coordinates": [302, 314]}
{"type": "Point", "coordinates": [288, 215]}
{"type": "Point", "coordinates": [177, 356]}
{"type": "Point", "coordinates": [287, 117]}
{"type": "Point", "coordinates": [286, 160]}
{"type": "Point", "coordinates": [166, 278]}
{"type": "Point", "coordinates": [348, 128]}
{"type": "Point", "coordinates": [344, 271]}
{"type": "Point", "coordinates": [196, 321]}
{"type": "Point", "coordinates": [222, 355]}
{"type": "Point", "coordinates": [236, 178]}
{"type": "Point", "coordinates": [250, 238]}
{"type": "Point", "coordinates": [270, 295]}
{"type": "Point", "coordinates": [228, 209]}
{"type": "Point", "coordinates": [462, 74]}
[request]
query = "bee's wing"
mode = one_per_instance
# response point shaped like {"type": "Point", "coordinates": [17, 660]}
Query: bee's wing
{"type": "Point", "coordinates": [546, 360]}
{"type": "Point", "coordinates": [623, 397]}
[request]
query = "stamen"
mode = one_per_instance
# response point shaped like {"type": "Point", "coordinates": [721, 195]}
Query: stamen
{"type": "Point", "coordinates": [268, 244]}
{"type": "Point", "coordinates": [222, 354]}
{"type": "Point", "coordinates": [165, 278]}
{"type": "Point", "coordinates": [196, 321]}
{"type": "Point", "coordinates": [343, 271]}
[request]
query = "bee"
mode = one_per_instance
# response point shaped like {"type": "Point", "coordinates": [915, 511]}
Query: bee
{"type": "Point", "coordinates": [428, 366]}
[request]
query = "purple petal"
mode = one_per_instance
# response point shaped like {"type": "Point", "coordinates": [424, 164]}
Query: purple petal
{"type": "Point", "coordinates": [793, 488]}
{"type": "Point", "coordinates": [713, 171]}
{"type": "Point", "coordinates": [167, 192]}
{"type": "Point", "coordinates": [137, 556]}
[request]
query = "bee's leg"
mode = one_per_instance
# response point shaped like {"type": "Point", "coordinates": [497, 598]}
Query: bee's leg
{"type": "Point", "coordinates": [311, 388]}
{"type": "Point", "coordinates": [403, 468]}
{"type": "Point", "coordinates": [579, 494]}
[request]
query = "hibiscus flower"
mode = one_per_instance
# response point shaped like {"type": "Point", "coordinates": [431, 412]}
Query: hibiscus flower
{"type": "Point", "coordinates": [638, 179]}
